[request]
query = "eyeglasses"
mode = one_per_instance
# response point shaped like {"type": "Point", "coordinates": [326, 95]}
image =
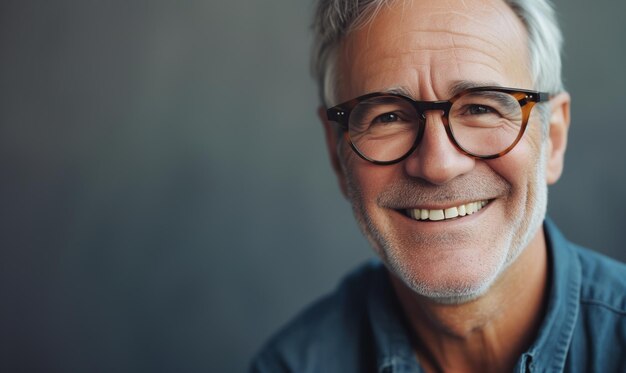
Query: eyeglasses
{"type": "Point", "coordinates": [481, 122]}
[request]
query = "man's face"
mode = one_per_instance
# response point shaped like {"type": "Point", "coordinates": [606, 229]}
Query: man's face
{"type": "Point", "coordinates": [425, 47]}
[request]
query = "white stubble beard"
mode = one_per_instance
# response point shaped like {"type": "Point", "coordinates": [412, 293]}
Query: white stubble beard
{"type": "Point", "coordinates": [516, 239]}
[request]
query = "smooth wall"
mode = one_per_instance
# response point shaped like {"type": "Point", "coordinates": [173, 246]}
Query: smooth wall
{"type": "Point", "coordinates": [166, 202]}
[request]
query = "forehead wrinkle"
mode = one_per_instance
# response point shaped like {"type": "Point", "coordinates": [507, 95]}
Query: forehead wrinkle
{"type": "Point", "coordinates": [446, 17]}
{"type": "Point", "coordinates": [508, 15]}
{"type": "Point", "coordinates": [443, 20]}
{"type": "Point", "coordinates": [493, 17]}
{"type": "Point", "coordinates": [422, 41]}
{"type": "Point", "coordinates": [508, 29]}
{"type": "Point", "coordinates": [453, 45]}
{"type": "Point", "coordinates": [494, 9]}
{"type": "Point", "coordinates": [438, 55]}
{"type": "Point", "coordinates": [483, 63]}
{"type": "Point", "coordinates": [488, 26]}
{"type": "Point", "coordinates": [420, 72]}
{"type": "Point", "coordinates": [491, 62]}
{"type": "Point", "coordinates": [456, 58]}
{"type": "Point", "coordinates": [448, 26]}
{"type": "Point", "coordinates": [439, 39]}
{"type": "Point", "coordinates": [464, 36]}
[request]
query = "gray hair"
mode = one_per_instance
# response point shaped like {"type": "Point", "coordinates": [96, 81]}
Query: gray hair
{"type": "Point", "coordinates": [336, 18]}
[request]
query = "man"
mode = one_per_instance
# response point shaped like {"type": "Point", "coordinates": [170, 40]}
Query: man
{"type": "Point", "coordinates": [445, 122]}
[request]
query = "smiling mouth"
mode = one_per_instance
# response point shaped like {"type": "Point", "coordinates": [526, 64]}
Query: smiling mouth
{"type": "Point", "coordinates": [445, 214]}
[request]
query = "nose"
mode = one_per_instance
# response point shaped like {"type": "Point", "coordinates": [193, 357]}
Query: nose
{"type": "Point", "coordinates": [436, 159]}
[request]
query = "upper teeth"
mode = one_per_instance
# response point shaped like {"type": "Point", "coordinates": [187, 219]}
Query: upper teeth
{"type": "Point", "coordinates": [449, 213]}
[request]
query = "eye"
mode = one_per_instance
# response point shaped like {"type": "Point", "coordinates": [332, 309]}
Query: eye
{"type": "Point", "coordinates": [480, 109]}
{"type": "Point", "coordinates": [387, 118]}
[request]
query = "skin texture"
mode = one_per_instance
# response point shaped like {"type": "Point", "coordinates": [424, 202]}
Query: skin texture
{"type": "Point", "coordinates": [461, 275]}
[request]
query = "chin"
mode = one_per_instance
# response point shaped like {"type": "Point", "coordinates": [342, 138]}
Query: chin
{"type": "Point", "coordinates": [464, 281]}
{"type": "Point", "coordinates": [456, 261]}
{"type": "Point", "coordinates": [454, 291]}
{"type": "Point", "coordinates": [458, 274]}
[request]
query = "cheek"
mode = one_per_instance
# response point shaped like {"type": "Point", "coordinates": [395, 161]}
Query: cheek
{"type": "Point", "coordinates": [516, 173]}
{"type": "Point", "coordinates": [521, 165]}
{"type": "Point", "coordinates": [511, 167]}
{"type": "Point", "coordinates": [370, 180]}
{"type": "Point", "coordinates": [365, 180]}
{"type": "Point", "coordinates": [521, 168]}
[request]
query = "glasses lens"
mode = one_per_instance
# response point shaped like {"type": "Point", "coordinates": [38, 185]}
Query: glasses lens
{"type": "Point", "coordinates": [383, 128]}
{"type": "Point", "coordinates": [485, 123]}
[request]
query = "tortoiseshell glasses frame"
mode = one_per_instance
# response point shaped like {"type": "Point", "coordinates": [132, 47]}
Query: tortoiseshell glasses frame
{"type": "Point", "coordinates": [525, 98]}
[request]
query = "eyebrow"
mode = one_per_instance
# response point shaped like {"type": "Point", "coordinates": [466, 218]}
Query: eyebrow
{"type": "Point", "coordinates": [401, 90]}
{"type": "Point", "coordinates": [459, 86]}
{"type": "Point", "coordinates": [456, 87]}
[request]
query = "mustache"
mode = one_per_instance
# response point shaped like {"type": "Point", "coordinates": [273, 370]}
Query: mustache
{"type": "Point", "coordinates": [418, 192]}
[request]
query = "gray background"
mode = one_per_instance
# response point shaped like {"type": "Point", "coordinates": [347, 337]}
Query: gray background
{"type": "Point", "coordinates": [165, 197]}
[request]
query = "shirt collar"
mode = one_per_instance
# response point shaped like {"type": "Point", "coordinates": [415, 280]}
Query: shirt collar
{"type": "Point", "coordinates": [549, 351]}
{"type": "Point", "coordinates": [394, 352]}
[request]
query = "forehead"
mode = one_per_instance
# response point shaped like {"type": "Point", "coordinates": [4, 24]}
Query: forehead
{"type": "Point", "coordinates": [426, 46]}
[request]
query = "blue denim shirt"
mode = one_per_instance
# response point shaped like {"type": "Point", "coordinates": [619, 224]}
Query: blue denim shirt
{"type": "Point", "coordinates": [360, 328]}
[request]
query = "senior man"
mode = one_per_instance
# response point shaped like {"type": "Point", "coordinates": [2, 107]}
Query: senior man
{"type": "Point", "coordinates": [445, 122]}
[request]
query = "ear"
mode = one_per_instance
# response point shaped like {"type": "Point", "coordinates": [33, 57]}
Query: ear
{"type": "Point", "coordinates": [333, 141]}
{"type": "Point", "coordinates": [557, 135]}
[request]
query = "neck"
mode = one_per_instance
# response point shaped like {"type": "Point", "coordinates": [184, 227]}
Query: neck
{"type": "Point", "coordinates": [487, 334]}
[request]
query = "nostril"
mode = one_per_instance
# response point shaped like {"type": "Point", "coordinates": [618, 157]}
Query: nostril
{"type": "Point", "coordinates": [436, 159]}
